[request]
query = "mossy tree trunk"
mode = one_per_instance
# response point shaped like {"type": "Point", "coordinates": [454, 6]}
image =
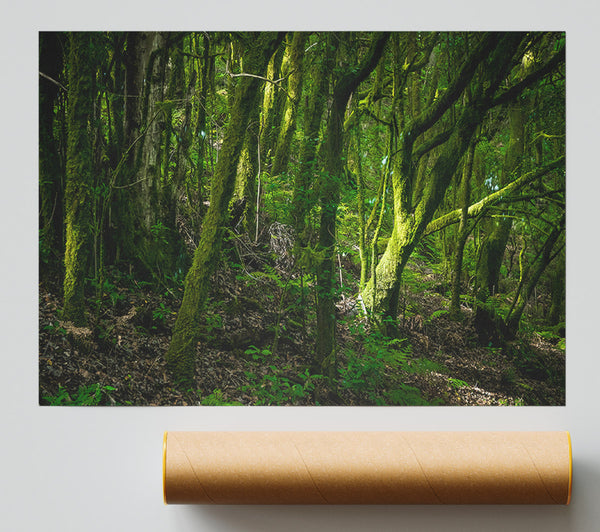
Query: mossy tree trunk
{"type": "Point", "coordinates": [333, 169]}
{"type": "Point", "coordinates": [78, 176]}
{"type": "Point", "coordinates": [493, 253]}
{"type": "Point", "coordinates": [111, 211]}
{"type": "Point", "coordinates": [152, 230]}
{"type": "Point", "coordinates": [463, 231]}
{"type": "Point", "coordinates": [380, 204]}
{"type": "Point", "coordinates": [246, 183]}
{"type": "Point", "coordinates": [494, 53]}
{"type": "Point", "coordinates": [270, 114]}
{"type": "Point", "coordinates": [362, 227]}
{"type": "Point", "coordinates": [494, 246]}
{"type": "Point", "coordinates": [505, 194]}
{"type": "Point", "coordinates": [138, 182]}
{"type": "Point", "coordinates": [181, 355]}
{"type": "Point", "coordinates": [530, 277]}
{"type": "Point", "coordinates": [302, 198]}
{"type": "Point", "coordinates": [125, 177]}
{"type": "Point", "coordinates": [205, 74]}
{"type": "Point", "coordinates": [294, 93]}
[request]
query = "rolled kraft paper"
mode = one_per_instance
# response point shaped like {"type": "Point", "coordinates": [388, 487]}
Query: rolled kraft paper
{"type": "Point", "coordinates": [367, 467]}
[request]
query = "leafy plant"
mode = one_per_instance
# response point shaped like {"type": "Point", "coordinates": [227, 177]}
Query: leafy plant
{"type": "Point", "coordinates": [437, 314]}
{"type": "Point", "coordinates": [90, 395]}
{"type": "Point", "coordinates": [107, 289]}
{"type": "Point", "coordinates": [424, 365]}
{"type": "Point", "coordinates": [159, 232]}
{"type": "Point", "coordinates": [405, 395]}
{"type": "Point", "coordinates": [457, 383]}
{"type": "Point", "coordinates": [277, 389]}
{"type": "Point", "coordinates": [160, 313]}
{"type": "Point", "coordinates": [55, 328]}
{"type": "Point", "coordinates": [258, 355]}
{"type": "Point", "coordinates": [217, 398]}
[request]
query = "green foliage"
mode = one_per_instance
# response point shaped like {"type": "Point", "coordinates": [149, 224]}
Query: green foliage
{"type": "Point", "coordinates": [257, 354]}
{"type": "Point", "coordinates": [509, 376]}
{"type": "Point", "coordinates": [213, 321]}
{"type": "Point", "coordinates": [90, 395]}
{"type": "Point", "coordinates": [160, 314]}
{"type": "Point", "coordinates": [553, 335]}
{"type": "Point", "coordinates": [276, 389]}
{"type": "Point", "coordinates": [217, 398]}
{"type": "Point", "coordinates": [278, 197]}
{"type": "Point", "coordinates": [160, 233]}
{"type": "Point", "coordinates": [437, 314]}
{"type": "Point", "coordinates": [371, 371]}
{"type": "Point", "coordinates": [311, 257]}
{"type": "Point", "coordinates": [45, 251]}
{"type": "Point", "coordinates": [405, 395]}
{"type": "Point", "coordinates": [55, 328]}
{"type": "Point", "coordinates": [506, 402]}
{"type": "Point", "coordinates": [457, 383]}
{"type": "Point", "coordinates": [106, 289]}
{"type": "Point", "coordinates": [424, 365]}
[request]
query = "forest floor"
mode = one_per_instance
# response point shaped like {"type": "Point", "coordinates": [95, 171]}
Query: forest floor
{"type": "Point", "coordinates": [257, 342]}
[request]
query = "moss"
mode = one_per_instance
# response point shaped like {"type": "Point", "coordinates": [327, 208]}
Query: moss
{"type": "Point", "coordinates": [271, 97]}
{"type": "Point", "coordinates": [75, 266]}
{"type": "Point", "coordinates": [79, 176]}
{"type": "Point", "coordinates": [286, 131]}
{"type": "Point", "coordinates": [246, 186]}
{"type": "Point", "coordinates": [303, 199]}
{"type": "Point", "coordinates": [181, 355]}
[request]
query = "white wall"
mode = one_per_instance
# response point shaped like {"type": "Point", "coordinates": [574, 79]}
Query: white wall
{"type": "Point", "coordinates": [98, 469]}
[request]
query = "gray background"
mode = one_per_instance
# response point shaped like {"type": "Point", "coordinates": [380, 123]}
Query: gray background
{"type": "Point", "coordinates": [98, 469]}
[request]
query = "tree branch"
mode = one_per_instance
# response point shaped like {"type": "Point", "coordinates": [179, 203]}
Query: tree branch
{"type": "Point", "coordinates": [57, 83]}
{"type": "Point", "coordinates": [275, 82]}
{"type": "Point", "coordinates": [517, 89]}
{"type": "Point", "coordinates": [492, 199]}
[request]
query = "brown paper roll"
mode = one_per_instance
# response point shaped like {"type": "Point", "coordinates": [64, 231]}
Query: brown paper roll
{"type": "Point", "coordinates": [367, 467]}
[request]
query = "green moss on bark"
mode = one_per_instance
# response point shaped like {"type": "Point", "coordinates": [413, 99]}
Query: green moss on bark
{"type": "Point", "coordinates": [329, 198]}
{"type": "Point", "coordinates": [288, 125]}
{"type": "Point", "coordinates": [181, 355]}
{"type": "Point", "coordinates": [79, 176]}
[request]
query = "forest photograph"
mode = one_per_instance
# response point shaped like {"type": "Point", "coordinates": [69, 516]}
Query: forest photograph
{"type": "Point", "coordinates": [302, 218]}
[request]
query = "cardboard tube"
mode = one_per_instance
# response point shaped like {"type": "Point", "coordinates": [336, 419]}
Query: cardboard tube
{"type": "Point", "coordinates": [367, 467]}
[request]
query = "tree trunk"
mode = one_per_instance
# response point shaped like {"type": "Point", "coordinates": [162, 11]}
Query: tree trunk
{"type": "Point", "coordinates": [170, 250]}
{"type": "Point", "coordinates": [492, 251]}
{"type": "Point", "coordinates": [530, 278]}
{"type": "Point", "coordinates": [206, 72]}
{"type": "Point", "coordinates": [51, 184]}
{"type": "Point", "coordinates": [246, 180]}
{"type": "Point", "coordinates": [294, 92]}
{"type": "Point", "coordinates": [271, 115]}
{"type": "Point", "coordinates": [411, 221]}
{"type": "Point", "coordinates": [329, 198]}
{"type": "Point", "coordinates": [463, 232]}
{"type": "Point", "coordinates": [152, 230]}
{"type": "Point", "coordinates": [137, 204]}
{"type": "Point", "coordinates": [79, 176]}
{"type": "Point", "coordinates": [302, 200]}
{"type": "Point", "coordinates": [181, 355]}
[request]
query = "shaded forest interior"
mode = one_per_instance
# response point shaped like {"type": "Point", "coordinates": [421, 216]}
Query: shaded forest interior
{"type": "Point", "coordinates": [303, 218]}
